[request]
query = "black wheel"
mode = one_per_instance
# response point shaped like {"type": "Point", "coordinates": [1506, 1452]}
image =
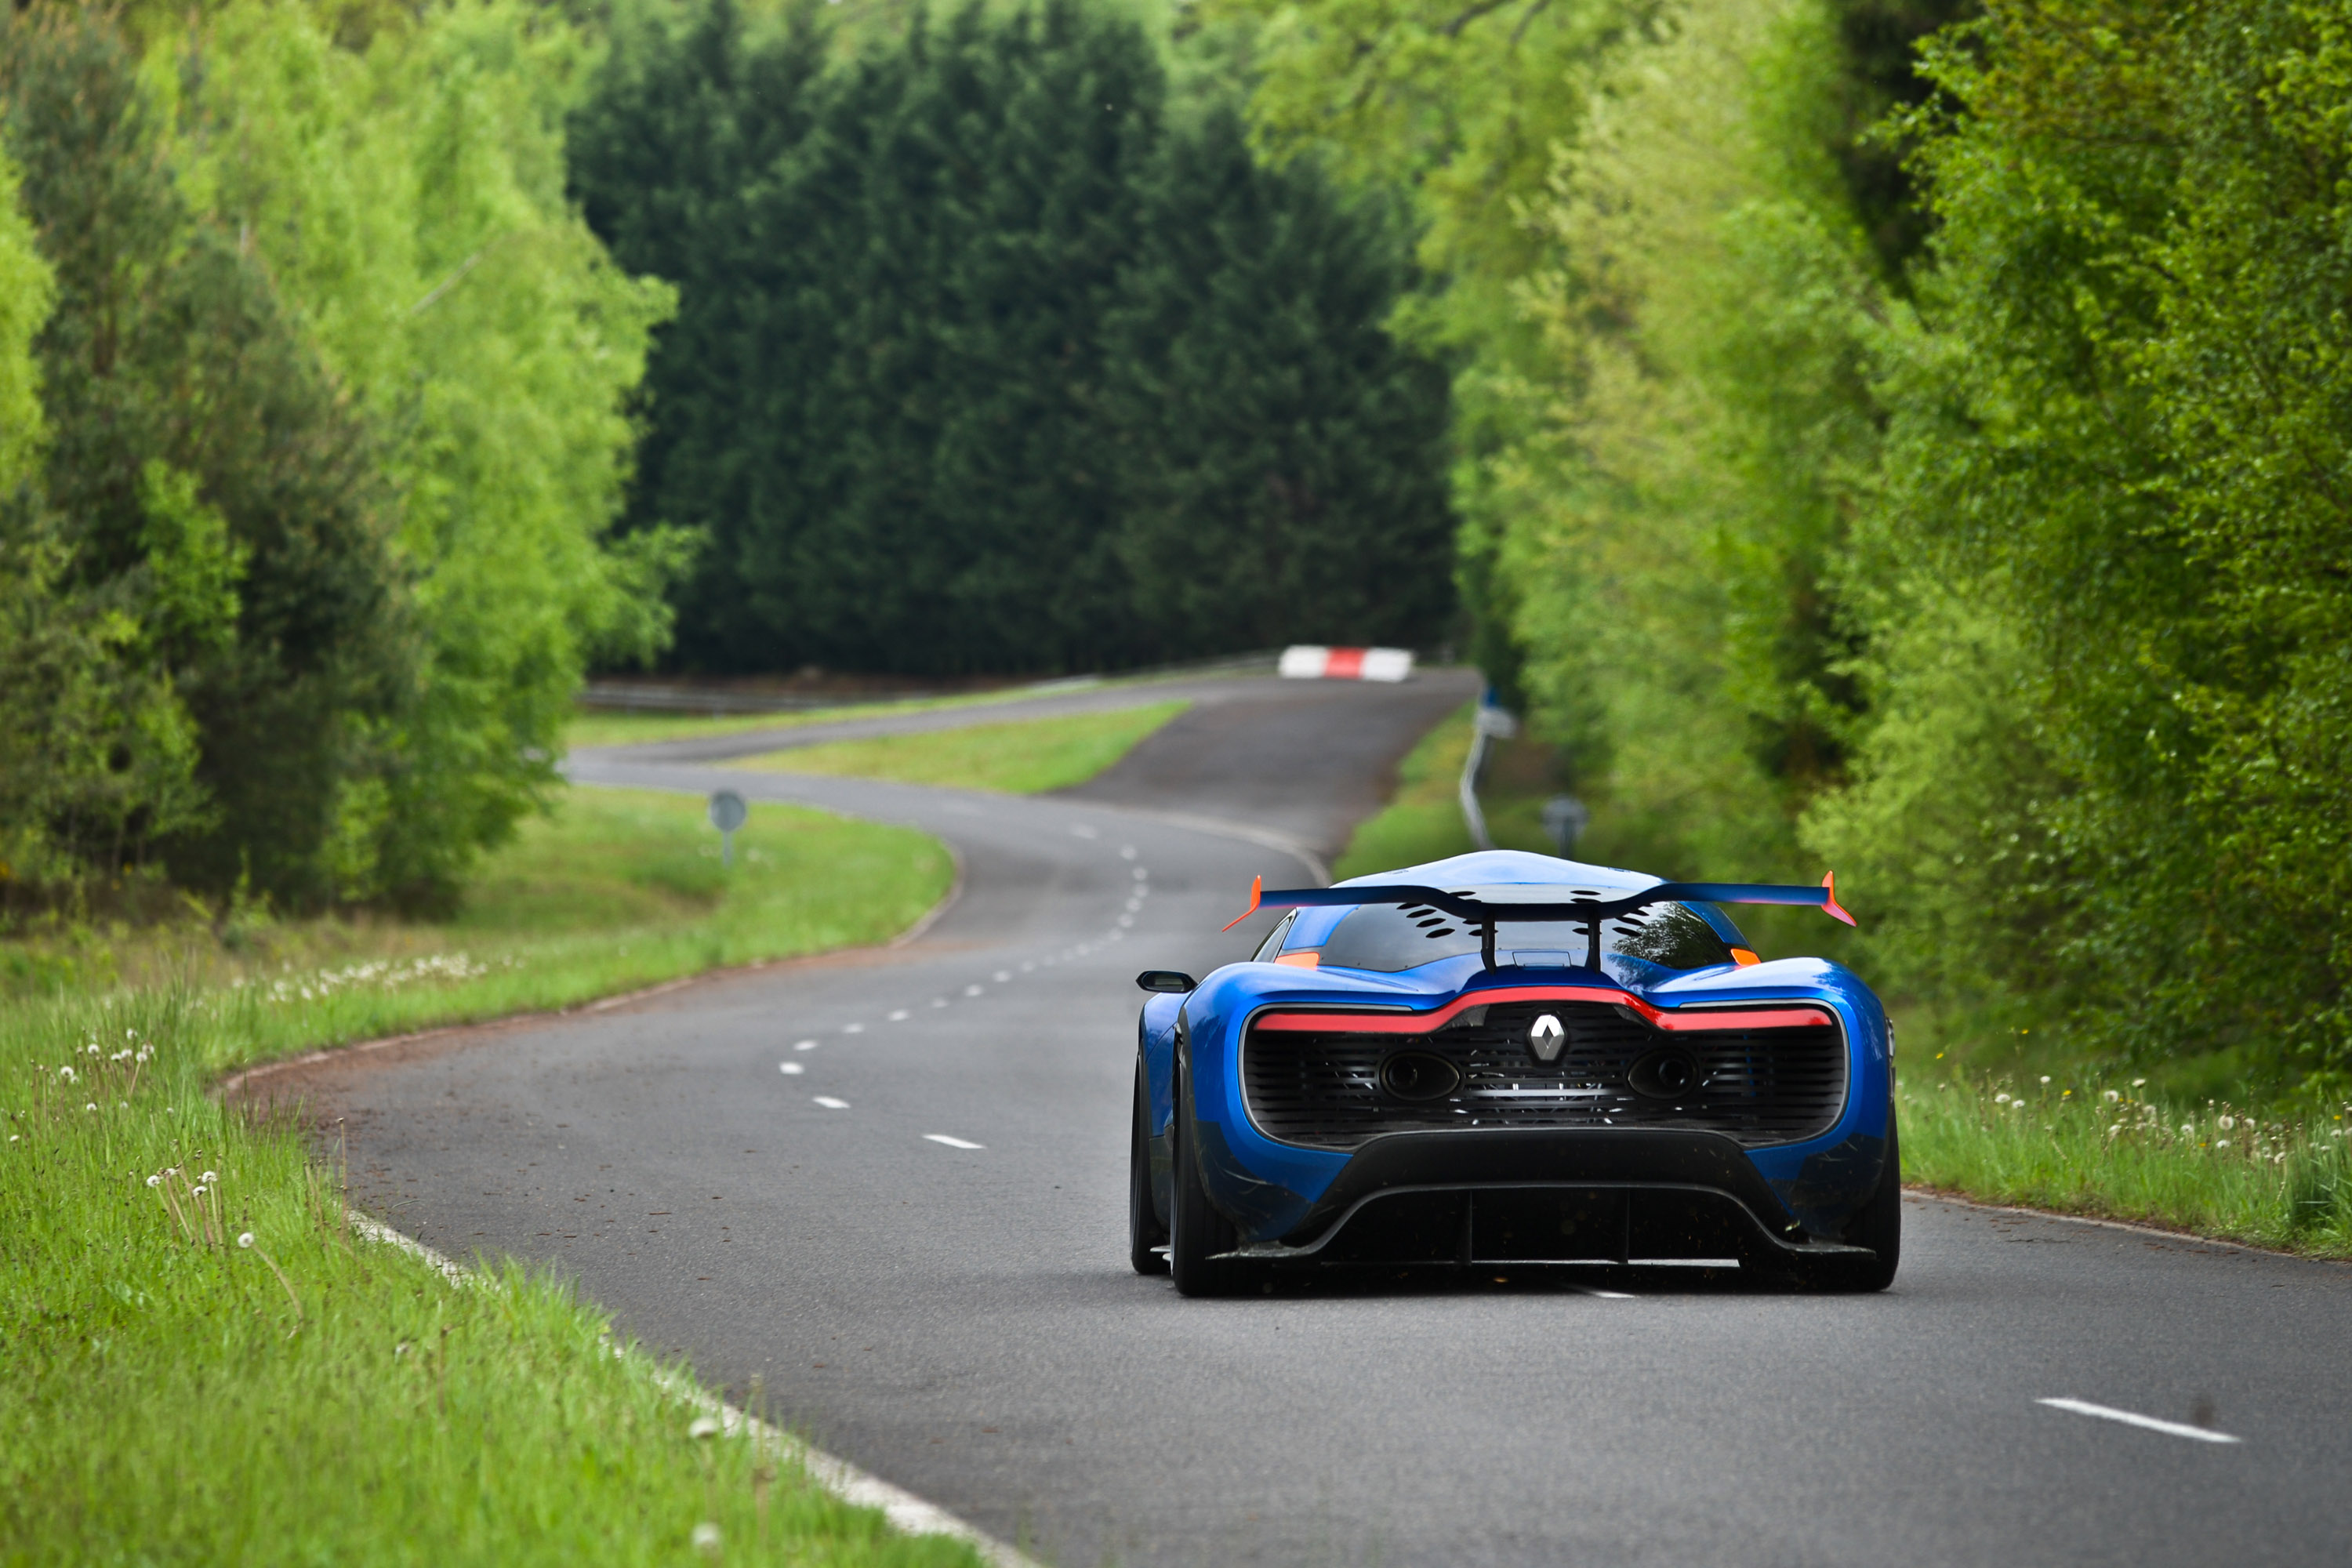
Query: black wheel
{"type": "Point", "coordinates": [1145, 1233]}
{"type": "Point", "coordinates": [1877, 1225]}
{"type": "Point", "coordinates": [1196, 1232]}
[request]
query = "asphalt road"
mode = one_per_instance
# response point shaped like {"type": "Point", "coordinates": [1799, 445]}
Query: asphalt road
{"type": "Point", "coordinates": [961, 1320]}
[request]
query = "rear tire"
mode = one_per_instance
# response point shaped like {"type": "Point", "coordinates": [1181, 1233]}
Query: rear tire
{"type": "Point", "coordinates": [1196, 1231]}
{"type": "Point", "coordinates": [1145, 1233]}
{"type": "Point", "coordinates": [1878, 1225]}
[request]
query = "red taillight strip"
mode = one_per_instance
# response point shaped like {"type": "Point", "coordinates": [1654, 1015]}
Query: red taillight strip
{"type": "Point", "coordinates": [1775, 1018]}
{"type": "Point", "coordinates": [1797, 1016]}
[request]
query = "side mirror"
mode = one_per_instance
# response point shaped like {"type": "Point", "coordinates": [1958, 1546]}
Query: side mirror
{"type": "Point", "coordinates": [1169, 980]}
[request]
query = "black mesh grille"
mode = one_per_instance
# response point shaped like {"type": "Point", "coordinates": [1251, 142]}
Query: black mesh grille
{"type": "Point", "coordinates": [1763, 1086]}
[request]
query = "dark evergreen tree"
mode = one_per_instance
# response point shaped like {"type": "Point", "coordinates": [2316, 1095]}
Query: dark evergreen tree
{"type": "Point", "coordinates": [181, 398]}
{"type": "Point", "coordinates": [896, 395]}
{"type": "Point", "coordinates": [1281, 459]}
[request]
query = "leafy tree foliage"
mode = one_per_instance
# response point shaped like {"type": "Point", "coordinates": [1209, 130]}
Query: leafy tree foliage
{"type": "Point", "coordinates": [408, 200]}
{"type": "Point", "coordinates": [935, 389]}
{"type": "Point", "coordinates": [2123, 430]}
{"type": "Point", "coordinates": [1961, 500]}
{"type": "Point", "coordinates": [334, 426]}
{"type": "Point", "coordinates": [98, 751]}
{"type": "Point", "coordinates": [203, 481]}
{"type": "Point", "coordinates": [1277, 461]}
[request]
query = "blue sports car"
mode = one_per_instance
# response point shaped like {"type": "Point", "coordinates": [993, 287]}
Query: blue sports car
{"type": "Point", "coordinates": [1504, 1058]}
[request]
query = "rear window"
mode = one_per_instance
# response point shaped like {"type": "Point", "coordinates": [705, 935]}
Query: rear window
{"type": "Point", "coordinates": [1392, 937]}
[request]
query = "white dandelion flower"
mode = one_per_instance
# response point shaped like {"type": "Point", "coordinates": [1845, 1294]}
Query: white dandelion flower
{"type": "Point", "coordinates": [154, 1180]}
{"type": "Point", "coordinates": [2045, 1077]}
{"type": "Point", "coordinates": [706, 1537]}
{"type": "Point", "coordinates": [211, 1176]}
{"type": "Point", "coordinates": [2000, 1100]}
{"type": "Point", "coordinates": [2112, 1096]}
{"type": "Point", "coordinates": [245, 1238]}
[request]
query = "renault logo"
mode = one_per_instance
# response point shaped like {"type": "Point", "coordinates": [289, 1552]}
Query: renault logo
{"type": "Point", "coordinates": [1546, 1039]}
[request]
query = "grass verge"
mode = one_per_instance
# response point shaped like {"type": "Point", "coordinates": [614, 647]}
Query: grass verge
{"type": "Point", "coordinates": [176, 1397]}
{"type": "Point", "coordinates": [601, 728]}
{"type": "Point", "coordinates": [1023, 757]}
{"type": "Point", "coordinates": [2109, 1150]}
{"type": "Point", "coordinates": [1422, 821]}
{"type": "Point", "coordinates": [618, 889]}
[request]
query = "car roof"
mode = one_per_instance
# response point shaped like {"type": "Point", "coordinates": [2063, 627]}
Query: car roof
{"type": "Point", "coordinates": [1503, 867]}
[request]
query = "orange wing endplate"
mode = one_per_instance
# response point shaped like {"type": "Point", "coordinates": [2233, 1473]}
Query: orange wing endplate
{"type": "Point", "coordinates": [1257, 887]}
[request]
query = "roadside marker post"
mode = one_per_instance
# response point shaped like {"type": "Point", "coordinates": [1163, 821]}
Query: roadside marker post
{"type": "Point", "coordinates": [727, 813]}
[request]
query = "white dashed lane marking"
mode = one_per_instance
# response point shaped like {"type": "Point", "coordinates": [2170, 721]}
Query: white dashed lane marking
{"type": "Point", "coordinates": [2145, 1423]}
{"type": "Point", "coordinates": [1002, 976]}
{"type": "Point", "coordinates": [953, 1143]}
{"type": "Point", "coordinates": [1597, 1291]}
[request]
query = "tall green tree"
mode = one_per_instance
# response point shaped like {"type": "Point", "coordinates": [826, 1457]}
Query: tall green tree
{"type": "Point", "coordinates": [904, 393]}
{"type": "Point", "coordinates": [1280, 458]}
{"type": "Point", "coordinates": [96, 752]}
{"type": "Point", "coordinates": [2117, 466]}
{"type": "Point", "coordinates": [202, 467]}
{"type": "Point", "coordinates": [399, 175]}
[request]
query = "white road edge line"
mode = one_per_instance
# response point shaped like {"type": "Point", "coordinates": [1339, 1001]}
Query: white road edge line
{"type": "Point", "coordinates": [1604, 1295]}
{"type": "Point", "coordinates": [907, 1512]}
{"type": "Point", "coordinates": [953, 1143]}
{"type": "Point", "coordinates": [832, 1104]}
{"type": "Point", "coordinates": [2145, 1423]}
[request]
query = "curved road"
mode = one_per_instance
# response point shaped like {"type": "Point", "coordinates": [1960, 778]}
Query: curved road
{"type": "Point", "coordinates": [961, 1320]}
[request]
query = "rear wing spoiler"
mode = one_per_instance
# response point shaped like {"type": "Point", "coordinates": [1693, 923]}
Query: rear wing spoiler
{"type": "Point", "coordinates": [1586, 912]}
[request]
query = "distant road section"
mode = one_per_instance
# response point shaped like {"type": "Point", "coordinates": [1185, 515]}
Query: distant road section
{"type": "Point", "coordinates": [1304, 759]}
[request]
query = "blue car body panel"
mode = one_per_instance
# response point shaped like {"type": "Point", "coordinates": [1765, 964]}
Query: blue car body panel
{"type": "Point", "coordinates": [1269, 1188]}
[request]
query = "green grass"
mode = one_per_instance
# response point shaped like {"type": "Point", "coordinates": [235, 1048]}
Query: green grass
{"type": "Point", "coordinates": [175, 1397]}
{"type": "Point", "coordinates": [1024, 757]}
{"type": "Point", "coordinates": [172, 1399]}
{"type": "Point", "coordinates": [600, 728]}
{"type": "Point", "coordinates": [1422, 821]}
{"type": "Point", "coordinates": [620, 889]}
{"type": "Point", "coordinates": [2106, 1149]}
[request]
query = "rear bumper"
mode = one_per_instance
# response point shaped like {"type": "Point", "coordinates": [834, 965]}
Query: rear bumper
{"type": "Point", "coordinates": [1563, 1196]}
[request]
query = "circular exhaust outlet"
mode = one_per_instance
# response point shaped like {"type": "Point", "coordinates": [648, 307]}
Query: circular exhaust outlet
{"type": "Point", "coordinates": [1418, 1075]}
{"type": "Point", "coordinates": [1668, 1073]}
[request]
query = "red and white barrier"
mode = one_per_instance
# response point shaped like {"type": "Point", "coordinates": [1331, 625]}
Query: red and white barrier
{"type": "Point", "coordinates": [1308, 661]}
